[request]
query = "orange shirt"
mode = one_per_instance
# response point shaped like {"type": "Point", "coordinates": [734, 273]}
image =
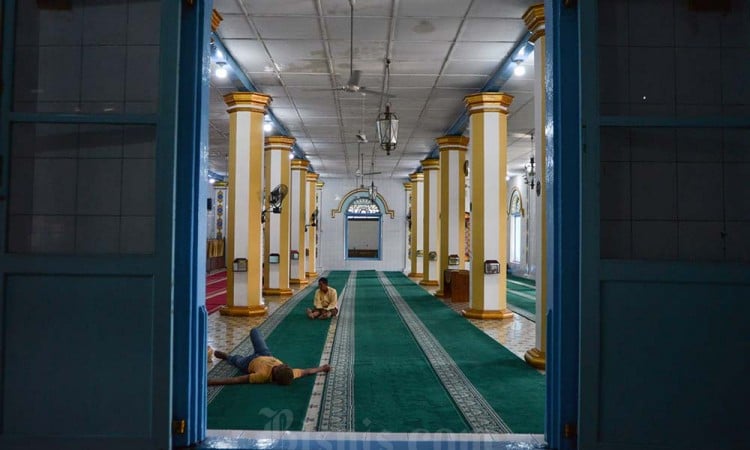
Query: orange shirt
{"type": "Point", "coordinates": [260, 369]}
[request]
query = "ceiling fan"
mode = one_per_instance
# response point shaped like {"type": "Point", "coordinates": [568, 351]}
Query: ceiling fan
{"type": "Point", "coordinates": [352, 85]}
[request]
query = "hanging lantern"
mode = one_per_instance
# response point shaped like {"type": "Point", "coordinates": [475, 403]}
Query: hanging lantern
{"type": "Point", "coordinates": [373, 191]}
{"type": "Point", "coordinates": [387, 126]}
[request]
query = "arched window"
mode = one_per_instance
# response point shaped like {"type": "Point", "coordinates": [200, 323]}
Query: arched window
{"type": "Point", "coordinates": [515, 213]}
{"type": "Point", "coordinates": [363, 217]}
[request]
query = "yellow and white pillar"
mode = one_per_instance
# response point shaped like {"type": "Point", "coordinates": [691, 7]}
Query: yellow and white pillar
{"type": "Point", "coordinates": [244, 205]}
{"type": "Point", "coordinates": [407, 253]}
{"type": "Point", "coordinates": [417, 224]}
{"type": "Point", "coordinates": [298, 194]}
{"type": "Point", "coordinates": [488, 116]}
{"type": "Point", "coordinates": [534, 19]}
{"type": "Point", "coordinates": [452, 203]}
{"type": "Point", "coordinates": [277, 225]}
{"type": "Point", "coordinates": [311, 206]}
{"type": "Point", "coordinates": [431, 231]}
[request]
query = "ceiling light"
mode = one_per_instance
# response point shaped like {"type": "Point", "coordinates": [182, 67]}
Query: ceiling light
{"type": "Point", "coordinates": [221, 71]}
{"type": "Point", "coordinates": [211, 181]}
{"type": "Point", "coordinates": [291, 155]}
{"type": "Point", "coordinates": [519, 70]}
{"type": "Point", "coordinates": [219, 54]}
{"type": "Point", "coordinates": [267, 127]}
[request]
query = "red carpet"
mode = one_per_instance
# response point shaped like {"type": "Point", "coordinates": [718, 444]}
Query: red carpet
{"type": "Point", "coordinates": [216, 291]}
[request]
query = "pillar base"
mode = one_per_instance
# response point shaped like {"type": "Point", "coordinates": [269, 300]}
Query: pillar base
{"type": "Point", "coordinates": [487, 314]}
{"type": "Point", "coordinates": [429, 283]}
{"type": "Point", "coordinates": [277, 291]}
{"type": "Point", "coordinates": [258, 310]}
{"type": "Point", "coordinates": [536, 358]}
{"type": "Point", "coordinates": [311, 275]}
{"type": "Point", "coordinates": [415, 275]}
{"type": "Point", "coordinates": [440, 294]}
{"type": "Point", "coordinates": [298, 281]}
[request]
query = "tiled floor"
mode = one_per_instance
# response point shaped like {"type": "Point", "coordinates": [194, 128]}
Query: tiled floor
{"type": "Point", "coordinates": [224, 333]}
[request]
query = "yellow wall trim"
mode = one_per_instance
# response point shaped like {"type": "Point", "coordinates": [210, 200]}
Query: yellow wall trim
{"type": "Point", "coordinates": [487, 314]}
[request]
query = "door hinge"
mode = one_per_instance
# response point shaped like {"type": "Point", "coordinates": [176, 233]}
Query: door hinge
{"type": "Point", "coordinates": [570, 430]}
{"type": "Point", "coordinates": [178, 426]}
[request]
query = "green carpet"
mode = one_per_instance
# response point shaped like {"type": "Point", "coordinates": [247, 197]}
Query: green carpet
{"type": "Point", "coordinates": [521, 293]}
{"type": "Point", "coordinates": [514, 389]}
{"type": "Point", "coordinates": [297, 341]}
{"type": "Point", "coordinates": [396, 389]}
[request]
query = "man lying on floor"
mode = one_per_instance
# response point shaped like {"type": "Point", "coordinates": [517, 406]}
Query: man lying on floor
{"type": "Point", "coordinates": [261, 366]}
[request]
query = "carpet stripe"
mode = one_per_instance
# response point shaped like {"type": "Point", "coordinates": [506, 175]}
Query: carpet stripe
{"type": "Point", "coordinates": [476, 410]}
{"type": "Point", "coordinates": [337, 405]}
{"type": "Point", "coordinates": [226, 370]}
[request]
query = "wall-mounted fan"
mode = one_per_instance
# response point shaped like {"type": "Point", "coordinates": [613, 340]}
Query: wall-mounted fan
{"type": "Point", "coordinates": [275, 199]}
{"type": "Point", "coordinates": [352, 85]}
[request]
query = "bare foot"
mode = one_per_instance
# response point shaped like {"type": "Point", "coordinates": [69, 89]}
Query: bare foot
{"type": "Point", "coordinates": [221, 355]}
{"type": "Point", "coordinates": [309, 313]}
{"type": "Point", "coordinates": [324, 315]}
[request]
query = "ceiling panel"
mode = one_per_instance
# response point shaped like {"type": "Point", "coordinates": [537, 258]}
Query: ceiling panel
{"type": "Point", "coordinates": [236, 26]}
{"type": "Point", "coordinates": [427, 29]}
{"type": "Point", "coordinates": [288, 55]}
{"type": "Point", "coordinates": [276, 7]}
{"type": "Point", "coordinates": [365, 28]}
{"type": "Point", "coordinates": [492, 30]}
{"type": "Point", "coordinates": [420, 8]}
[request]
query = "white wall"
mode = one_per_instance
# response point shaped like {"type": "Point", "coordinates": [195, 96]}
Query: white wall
{"type": "Point", "coordinates": [332, 254]}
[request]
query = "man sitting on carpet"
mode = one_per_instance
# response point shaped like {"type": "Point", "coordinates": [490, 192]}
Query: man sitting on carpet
{"type": "Point", "coordinates": [325, 302]}
{"type": "Point", "coordinates": [261, 366]}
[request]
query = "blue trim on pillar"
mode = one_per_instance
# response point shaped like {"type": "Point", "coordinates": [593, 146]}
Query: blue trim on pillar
{"type": "Point", "coordinates": [190, 317]}
{"type": "Point", "coordinates": [563, 220]}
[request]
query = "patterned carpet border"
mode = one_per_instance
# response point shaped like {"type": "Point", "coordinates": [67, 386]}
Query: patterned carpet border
{"type": "Point", "coordinates": [316, 398]}
{"type": "Point", "coordinates": [337, 406]}
{"type": "Point", "coordinates": [476, 410]}
{"type": "Point", "coordinates": [225, 370]}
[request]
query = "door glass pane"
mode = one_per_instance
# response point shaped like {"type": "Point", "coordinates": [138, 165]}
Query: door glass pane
{"type": "Point", "coordinates": [682, 58]}
{"type": "Point", "coordinates": [82, 189]}
{"type": "Point", "coordinates": [79, 56]}
{"type": "Point", "coordinates": [675, 194]}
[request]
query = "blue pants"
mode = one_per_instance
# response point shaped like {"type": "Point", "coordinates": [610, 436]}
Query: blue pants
{"type": "Point", "coordinates": [260, 348]}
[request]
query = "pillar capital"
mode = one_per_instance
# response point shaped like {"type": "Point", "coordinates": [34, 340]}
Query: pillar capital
{"type": "Point", "coordinates": [216, 19]}
{"type": "Point", "coordinates": [534, 19]}
{"type": "Point", "coordinates": [488, 102]}
{"type": "Point", "coordinates": [247, 101]}
{"type": "Point", "coordinates": [312, 176]}
{"type": "Point", "coordinates": [431, 164]}
{"type": "Point", "coordinates": [300, 164]}
{"type": "Point", "coordinates": [279, 143]}
{"type": "Point", "coordinates": [320, 184]}
{"type": "Point", "coordinates": [416, 177]}
{"type": "Point", "coordinates": [407, 185]}
{"type": "Point", "coordinates": [452, 143]}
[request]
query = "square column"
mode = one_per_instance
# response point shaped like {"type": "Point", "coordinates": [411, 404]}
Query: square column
{"type": "Point", "coordinates": [488, 115]}
{"type": "Point", "coordinates": [298, 193]}
{"type": "Point", "coordinates": [417, 224]}
{"type": "Point", "coordinates": [453, 171]}
{"type": "Point", "coordinates": [431, 231]}
{"type": "Point", "coordinates": [277, 224]}
{"type": "Point", "coordinates": [244, 205]}
{"type": "Point", "coordinates": [534, 19]}
{"type": "Point", "coordinates": [407, 254]}
{"type": "Point", "coordinates": [312, 226]}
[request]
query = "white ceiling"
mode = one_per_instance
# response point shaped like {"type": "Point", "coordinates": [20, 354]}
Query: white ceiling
{"type": "Point", "coordinates": [297, 51]}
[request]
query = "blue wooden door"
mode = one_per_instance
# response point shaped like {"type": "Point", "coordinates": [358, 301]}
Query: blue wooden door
{"type": "Point", "coordinates": [665, 224]}
{"type": "Point", "coordinates": [87, 219]}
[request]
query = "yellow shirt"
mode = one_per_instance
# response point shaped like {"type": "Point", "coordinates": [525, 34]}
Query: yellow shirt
{"type": "Point", "coordinates": [327, 300]}
{"type": "Point", "coordinates": [260, 369]}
